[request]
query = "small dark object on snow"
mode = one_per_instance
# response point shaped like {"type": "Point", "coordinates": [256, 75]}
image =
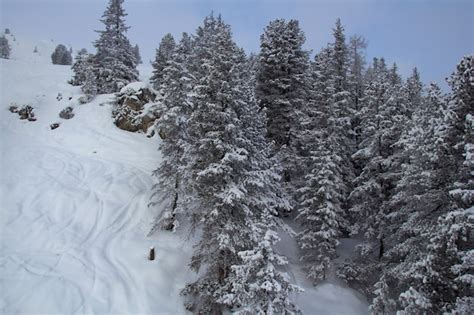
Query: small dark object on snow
{"type": "Point", "coordinates": [54, 126]}
{"type": "Point", "coordinates": [66, 113]}
{"type": "Point", "coordinates": [151, 134]}
{"type": "Point", "coordinates": [59, 97]}
{"type": "Point", "coordinates": [151, 255]}
{"type": "Point", "coordinates": [70, 97]}
{"type": "Point", "coordinates": [13, 109]}
{"type": "Point", "coordinates": [26, 112]}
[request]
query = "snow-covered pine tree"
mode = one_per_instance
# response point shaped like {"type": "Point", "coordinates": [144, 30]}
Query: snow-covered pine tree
{"type": "Point", "coordinates": [282, 91]}
{"type": "Point", "coordinates": [341, 110]}
{"type": "Point", "coordinates": [256, 284]}
{"type": "Point", "coordinates": [281, 79]}
{"type": "Point", "coordinates": [321, 195]}
{"type": "Point", "coordinates": [80, 67]}
{"type": "Point", "coordinates": [163, 54]}
{"type": "Point", "coordinates": [4, 47]}
{"type": "Point", "coordinates": [414, 89]}
{"type": "Point", "coordinates": [114, 63]}
{"type": "Point", "coordinates": [355, 78]}
{"type": "Point", "coordinates": [136, 53]}
{"type": "Point", "coordinates": [216, 165]}
{"type": "Point", "coordinates": [174, 110]}
{"type": "Point", "coordinates": [442, 280]}
{"type": "Point", "coordinates": [233, 179]}
{"type": "Point", "coordinates": [383, 119]}
{"type": "Point", "coordinates": [61, 56]}
{"type": "Point", "coordinates": [421, 194]}
{"type": "Point", "coordinates": [382, 304]}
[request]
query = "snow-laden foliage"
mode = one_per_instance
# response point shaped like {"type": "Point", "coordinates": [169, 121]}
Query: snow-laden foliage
{"type": "Point", "coordinates": [174, 109]}
{"type": "Point", "coordinates": [217, 172]}
{"type": "Point", "coordinates": [80, 67]}
{"type": "Point", "coordinates": [114, 64]}
{"type": "Point", "coordinates": [163, 54]}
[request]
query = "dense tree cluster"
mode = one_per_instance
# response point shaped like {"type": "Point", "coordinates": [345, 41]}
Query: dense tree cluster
{"type": "Point", "coordinates": [345, 148]}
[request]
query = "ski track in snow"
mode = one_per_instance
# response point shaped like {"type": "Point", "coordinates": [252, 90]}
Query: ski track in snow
{"type": "Point", "coordinates": [74, 209]}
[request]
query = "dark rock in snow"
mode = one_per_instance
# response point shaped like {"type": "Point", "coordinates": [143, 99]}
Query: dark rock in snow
{"type": "Point", "coordinates": [54, 126]}
{"type": "Point", "coordinates": [66, 113]}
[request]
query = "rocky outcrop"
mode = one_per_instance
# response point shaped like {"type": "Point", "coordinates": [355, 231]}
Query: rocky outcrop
{"type": "Point", "coordinates": [24, 111]}
{"type": "Point", "coordinates": [135, 109]}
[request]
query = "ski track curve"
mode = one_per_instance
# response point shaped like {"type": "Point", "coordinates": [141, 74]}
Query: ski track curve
{"type": "Point", "coordinates": [86, 208]}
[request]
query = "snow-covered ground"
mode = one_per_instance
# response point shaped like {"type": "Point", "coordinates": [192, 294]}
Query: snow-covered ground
{"type": "Point", "coordinates": [74, 208]}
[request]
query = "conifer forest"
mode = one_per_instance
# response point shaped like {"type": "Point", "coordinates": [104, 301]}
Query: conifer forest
{"type": "Point", "coordinates": [283, 181]}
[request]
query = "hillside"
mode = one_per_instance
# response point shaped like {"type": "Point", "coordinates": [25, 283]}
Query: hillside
{"type": "Point", "coordinates": [75, 208]}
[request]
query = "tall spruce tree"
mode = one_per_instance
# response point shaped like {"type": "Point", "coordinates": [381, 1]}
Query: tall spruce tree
{"type": "Point", "coordinates": [321, 195]}
{"type": "Point", "coordinates": [163, 54]}
{"type": "Point", "coordinates": [174, 109]}
{"type": "Point", "coordinates": [114, 64]}
{"type": "Point", "coordinates": [136, 53]}
{"type": "Point", "coordinates": [282, 91]}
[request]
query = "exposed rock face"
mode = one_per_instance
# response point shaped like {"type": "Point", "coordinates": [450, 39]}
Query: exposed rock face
{"type": "Point", "coordinates": [135, 110]}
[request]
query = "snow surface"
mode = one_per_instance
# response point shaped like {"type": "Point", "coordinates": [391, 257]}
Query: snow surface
{"type": "Point", "coordinates": [74, 208]}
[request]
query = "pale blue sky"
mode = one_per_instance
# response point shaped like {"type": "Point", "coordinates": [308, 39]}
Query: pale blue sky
{"type": "Point", "coordinates": [433, 35]}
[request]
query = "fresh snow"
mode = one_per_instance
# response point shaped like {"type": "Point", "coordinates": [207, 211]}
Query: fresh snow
{"type": "Point", "coordinates": [75, 213]}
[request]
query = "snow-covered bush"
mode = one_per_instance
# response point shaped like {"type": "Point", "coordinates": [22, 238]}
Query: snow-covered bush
{"type": "Point", "coordinates": [4, 48]}
{"type": "Point", "coordinates": [61, 56]}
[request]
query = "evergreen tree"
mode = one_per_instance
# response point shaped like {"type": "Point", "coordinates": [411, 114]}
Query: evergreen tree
{"type": "Point", "coordinates": [136, 53]}
{"type": "Point", "coordinates": [432, 255]}
{"type": "Point", "coordinates": [114, 63]}
{"type": "Point", "coordinates": [257, 286]}
{"type": "Point", "coordinates": [61, 56]}
{"type": "Point", "coordinates": [414, 88]}
{"type": "Point", "coordinates": [174, 110]}
{"type": "Point", "coordinates": [216, 166]}
{"type": "Point", "coordinates": [356, 61]}
{"type": "Point", "coordinates": [4, 48]}
{"type": "Point", "coordinates": [441, 279]}
{"type": "Point", "coordinates": [282, 91]}
{"type": "Point", "coordinates": [233, 181]}
{"type": "Point", "coordinates": [382, 304]}
{"type": "Point", "coordinates": [80, 67]}
{"type": "Point", "coordinates": [163, 54]}
{"type": "Point", "coordinates": [281, 82]}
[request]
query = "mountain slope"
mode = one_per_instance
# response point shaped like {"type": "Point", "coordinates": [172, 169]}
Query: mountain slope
{"type": "Point", "coordinates": [75, 210]}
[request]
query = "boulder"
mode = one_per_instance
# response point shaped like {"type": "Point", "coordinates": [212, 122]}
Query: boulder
{"type": "Point", "coordinates": [66, 113]}
{"type": "Point", "coordinates": [54, 126]}
{"type": "Point", "coordinates": [134, 110]}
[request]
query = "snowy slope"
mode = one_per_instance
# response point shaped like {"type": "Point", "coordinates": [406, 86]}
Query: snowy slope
{"type": "Point", "coordinates": [74, 209]}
